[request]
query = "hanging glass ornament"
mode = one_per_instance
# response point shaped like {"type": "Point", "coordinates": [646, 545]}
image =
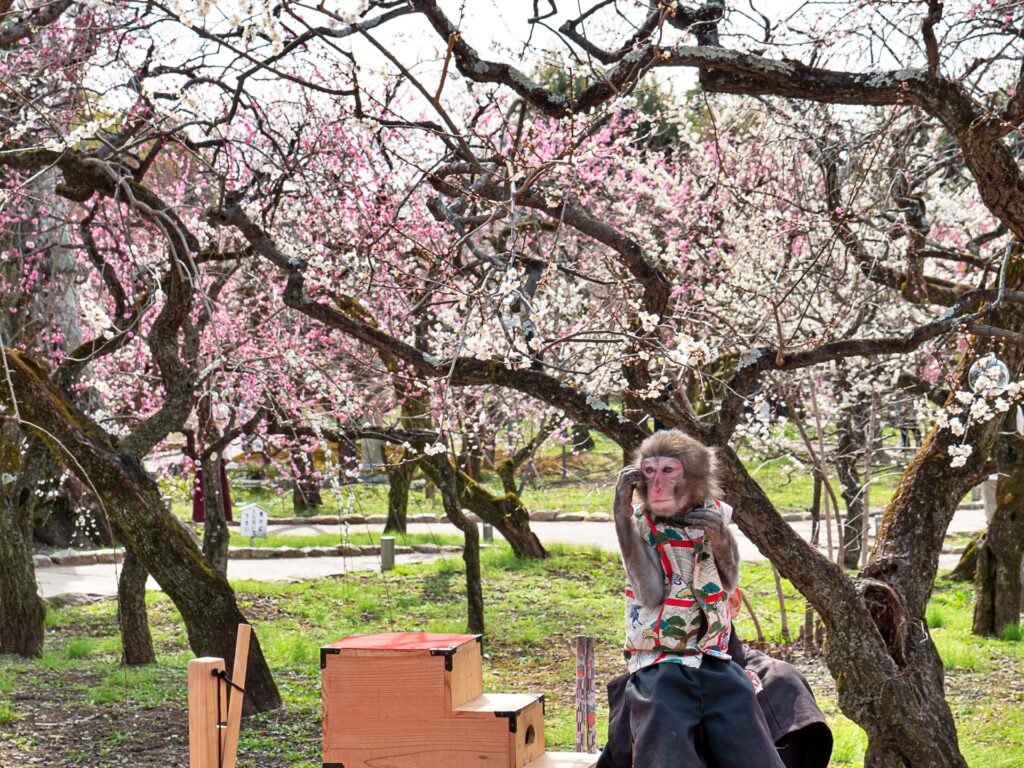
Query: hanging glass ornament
{"type": "Point", "coordinates": [988, 373]}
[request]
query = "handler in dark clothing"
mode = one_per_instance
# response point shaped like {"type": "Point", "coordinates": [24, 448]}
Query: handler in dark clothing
{"type": "Point", "coordinates": [798, 728]}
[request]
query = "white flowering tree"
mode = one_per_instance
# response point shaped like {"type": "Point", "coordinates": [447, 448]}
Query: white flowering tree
{"type": "Point", "coordinates": [522, 237]}
{"type": "Point", "coordinates": [489, 167]}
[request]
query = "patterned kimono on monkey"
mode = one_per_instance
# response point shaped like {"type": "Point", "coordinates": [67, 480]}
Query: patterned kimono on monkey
{"type": "Point", "coordinates": [672, 631]}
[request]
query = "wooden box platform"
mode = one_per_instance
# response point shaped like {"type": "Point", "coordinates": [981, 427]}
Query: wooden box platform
{"type": "Point", "coordinates": [416, 700]}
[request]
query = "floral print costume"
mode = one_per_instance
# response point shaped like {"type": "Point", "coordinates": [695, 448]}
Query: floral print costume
{"type": "Point", "coordinates": [672, 631]}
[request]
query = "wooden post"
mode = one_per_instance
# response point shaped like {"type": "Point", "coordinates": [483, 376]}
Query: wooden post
{"type": "Point", "coordinates": [203, 715]}
{"type": "Point", "coordinates": [586, 699]}
{"type": "Point", "coordinates": [234, 716]}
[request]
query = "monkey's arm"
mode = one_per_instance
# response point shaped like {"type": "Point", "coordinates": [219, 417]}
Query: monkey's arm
{"type": "Point", "coordinates": [727, 558]}
{"type": "Point", "coordinates": [723, 544]}
{"type": "Point", "coordinates": [643, 569]}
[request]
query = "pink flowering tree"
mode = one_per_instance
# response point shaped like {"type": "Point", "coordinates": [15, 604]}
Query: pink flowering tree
{"type": "Point", "coordinates": [467, 225]}
{"type": "Point", "coordinates": [485, 165]}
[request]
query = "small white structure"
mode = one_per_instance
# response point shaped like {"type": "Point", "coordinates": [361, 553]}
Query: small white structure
{"type": "Point", "coordinates": [253, 519]}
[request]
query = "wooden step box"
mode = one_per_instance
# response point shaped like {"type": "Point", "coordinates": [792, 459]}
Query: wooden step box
{"type": "Point", "coordinates": [416, 700]}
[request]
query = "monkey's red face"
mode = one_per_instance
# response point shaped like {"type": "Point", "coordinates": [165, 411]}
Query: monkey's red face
{"type": "Point", "coordinates": [665, 484]}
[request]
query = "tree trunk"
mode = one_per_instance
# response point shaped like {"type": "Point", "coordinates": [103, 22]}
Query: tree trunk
{"type": "Point", "coordinates": [506, 513]}
{"type": "Point", "coordinates": [136, 642]}
{"type": "Point", "coordinates": [448, 484]}
{"type": "Point", "coordinates": [888, 674]}
{"type": "Point", "coordinates": [997, 581]}
{"type": "Point", "coordinates": [131, 499]}
{"type": "Point", "coordinates": [22, 612]}
{"type": "Point", "coordinates": [968, 565]}
{"type": "Point", "coordinates": [399, 480]}
{"type": "Point", "coordinates": [216, 537]}
{"type": "Point", "coordinates": [21, 609]}
{"type": "Point", "coordinates": [306, 495]}
{"type": "Point", "coordinates": [582, 440]}
{"type": "Point", "coordinates": [848, 452]}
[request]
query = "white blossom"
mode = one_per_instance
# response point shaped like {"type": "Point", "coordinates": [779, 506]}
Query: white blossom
{"type": "Point", "coordinates": [959, 454]}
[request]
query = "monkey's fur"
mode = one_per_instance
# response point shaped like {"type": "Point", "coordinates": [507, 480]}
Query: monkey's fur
{"type": "Point", "coordinates": [699, 482]}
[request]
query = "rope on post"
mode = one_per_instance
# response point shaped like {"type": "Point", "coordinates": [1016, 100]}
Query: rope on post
{"type": "Point", "coordinates": [586, 698]}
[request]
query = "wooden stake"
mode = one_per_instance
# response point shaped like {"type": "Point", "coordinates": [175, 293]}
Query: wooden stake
{"type": "Point", "coordinates": [234, 716]}
{"type": "Point", "coordinates": [586, 700]}
{"type": "Point", "coordinates": [203, 716]}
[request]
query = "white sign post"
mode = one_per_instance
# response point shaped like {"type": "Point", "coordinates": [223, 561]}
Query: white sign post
{"type": "Point", "coordinates": [254, 523]}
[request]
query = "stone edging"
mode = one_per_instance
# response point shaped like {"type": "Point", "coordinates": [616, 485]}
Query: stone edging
{"type": "Point", "coordinates": [542, 515]}
{"type": "Point", "coordinates": [537, 516]}
{"type": "Point", "coordinates": [110, 556]}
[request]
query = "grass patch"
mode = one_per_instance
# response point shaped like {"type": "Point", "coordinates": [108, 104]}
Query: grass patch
{"type": "Point", "coordinates": [8, 714]}
{"type": "Point", "coordinates": [534, 609]}
{"type": "Point", "coordinates": [1013, 633]}
{"type": "Point", "coordinates": [83, 647]}
{"type": "Point", "coordinates": [935, 616]}
{"type": "Point", "coordinates": [7, 681]}
{"type": "Point", "coordinates": [147, 686]}
{"type": "Point", "coordinates": [958, 652]}
{"type": "Point", "coordinates": [850, 742]}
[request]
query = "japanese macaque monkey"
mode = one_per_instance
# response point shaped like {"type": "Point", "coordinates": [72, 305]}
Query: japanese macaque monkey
{"type": "Point", "coordinates": [673, 475]}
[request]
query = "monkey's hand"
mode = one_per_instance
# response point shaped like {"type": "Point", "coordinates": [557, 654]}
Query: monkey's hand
{"type": "Point", "coordinates": [643, 567]}
{"type": "Point", "coordinates": [710, 520]}
{"type": "Point", "coordinates": [723, 544]}
{"type": "Point", "coordinates": [630, 478]}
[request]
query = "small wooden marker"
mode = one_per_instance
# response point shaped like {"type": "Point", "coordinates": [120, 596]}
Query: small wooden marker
{"type": "Point", "coordinates": [586, 700]}
{"type": "Point", "coordinates": [387, 553]}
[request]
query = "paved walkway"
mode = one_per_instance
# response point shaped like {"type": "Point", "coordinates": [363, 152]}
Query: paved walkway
{"type": "Point", "coordinates": [102, 579]}
{"type": "Point", "coordinates": [603, 534]}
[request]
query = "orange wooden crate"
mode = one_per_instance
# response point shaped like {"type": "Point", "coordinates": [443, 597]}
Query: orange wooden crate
{"type": "Point", "coordinates": [416, 700]}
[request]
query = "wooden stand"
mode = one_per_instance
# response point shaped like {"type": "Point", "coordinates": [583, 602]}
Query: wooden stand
{"type": "Point", "coordinates": [416, 700]}
{"type": "Point", "coordinates": [215, 707]}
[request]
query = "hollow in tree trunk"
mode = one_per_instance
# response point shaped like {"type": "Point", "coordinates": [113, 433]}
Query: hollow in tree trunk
{"type": "Point", "coordinates": [997, 585]}
{"type": "Point", "coordinates": [448, 483]}
{"type": "Point", "coordinates": [136, 641]}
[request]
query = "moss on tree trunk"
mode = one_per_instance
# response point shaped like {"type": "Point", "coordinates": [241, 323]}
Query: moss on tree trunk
{"type": "Point", "coordinates": [131, 499]}
{"type": "Point", "coordinates": [506, 513]}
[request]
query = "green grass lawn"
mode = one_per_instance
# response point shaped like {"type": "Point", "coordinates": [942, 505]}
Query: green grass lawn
{"type": "Point", "coordinates": [534, 610]}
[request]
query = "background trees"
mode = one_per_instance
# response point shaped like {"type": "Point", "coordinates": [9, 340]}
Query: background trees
{"type": "Point", "coordinates": [322, 204]}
